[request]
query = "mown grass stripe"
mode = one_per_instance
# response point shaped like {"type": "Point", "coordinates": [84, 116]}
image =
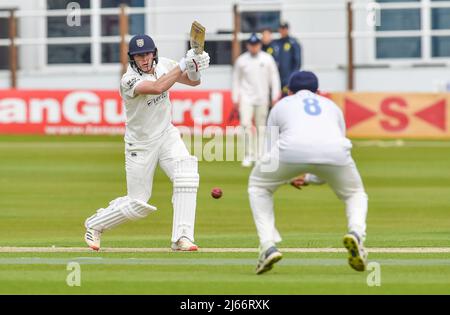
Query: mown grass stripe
{"type": "Point", "coordinates": [214, 261]}
{"type": "Point", "coordinates": [394, 250]}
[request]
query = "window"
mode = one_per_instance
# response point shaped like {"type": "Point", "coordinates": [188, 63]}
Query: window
{"type": "Point", "coordinates": [414, 42]}
{"type": "Point", "coordinates": [399, 47]}
{"type": "Point", "coordinates": [57, 27]}
{"type": "Point", "coordinates": [252, 21]}
{"type": "Point", "coordinates": [110, 53]}
{"type": "Point", "coordinates": [441, 46]}
{"type": "Point", "coordinates": [219, 51]}
{"type": "Point", "coordinates": [110, 24]}
{"type": "Point", "coordinates": [60, 54]}
{"type": "Point", "coordinates": [80, 52]}
{"type": "Point", "coordinates": [62, 4]}
{"type": "Point", "coordinates": [4, 50]}
{"type": "Point", "coordinates": [408, 19]}
{"type": "Point", "coordinates": [440, 18]}
{"type": "Point", "coordinates": [399, 20]}
{"type": "Point", "coordinates": [117, 3]}
{"type": "Point", "coordinates": [110, 27]}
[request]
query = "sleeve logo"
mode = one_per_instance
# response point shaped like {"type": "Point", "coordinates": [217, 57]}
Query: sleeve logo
{"type": "Point", "coordinates": [131, 82]}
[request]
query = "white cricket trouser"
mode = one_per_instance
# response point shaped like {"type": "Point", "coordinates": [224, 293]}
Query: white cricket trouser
{"type": "Point", "coordinates": [140, 165]}
{"type": "Point", "coordinates": [248, 112]}
{"type": "Point", "coordinates": [141, 162]}
{"type": "Point", "coordinates": [345, 181]}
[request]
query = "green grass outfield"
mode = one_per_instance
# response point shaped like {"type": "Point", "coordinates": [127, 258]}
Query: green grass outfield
{"type": "Point", "coordinates": [49, 185]}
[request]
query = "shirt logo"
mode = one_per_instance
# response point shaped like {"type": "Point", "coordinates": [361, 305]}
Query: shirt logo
{"type": "Point", "coordinates": [140, 42]}
{"type": "Point", "coordinates": [156, 100]}
{"type": "Point", "coordinates": [287, 46]}
{"type": "Point", "coordinates": [131, 82]}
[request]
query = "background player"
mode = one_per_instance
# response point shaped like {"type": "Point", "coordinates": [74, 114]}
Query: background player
{"type": "Point", "coordinates": [288, 55]}
{"type": "Point", "coordinates": [255, 77]}
{"type": "Point", "coordinates": [311, 139]}
{"type": "Point", "coordinates": [151, 139]}
{"type": "Point", "coordinates": [266, 41]}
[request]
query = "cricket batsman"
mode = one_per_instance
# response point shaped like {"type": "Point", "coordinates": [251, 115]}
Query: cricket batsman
{"type": "Point", "coordinates": [151, 139]}
{"type": "Point", "coordinates": [307, 136]}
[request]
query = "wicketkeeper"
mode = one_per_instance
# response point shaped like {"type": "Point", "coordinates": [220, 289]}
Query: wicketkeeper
{"type": "Point", "coordinates": [151, 139]}
{"type": "Point", "coordinates": [306, 134]}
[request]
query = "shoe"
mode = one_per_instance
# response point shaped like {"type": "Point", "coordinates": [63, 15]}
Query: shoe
{"type": "Point", "coordinates": [185, 245]}
{"type": "Point", "coordinates": [267, 259]}
{"type": "Point", "coordinates": [357, 255]}
{"type": "Point", "coordinates": [92, 238]}
{"type": "Point", "coordinates": [247, 162]}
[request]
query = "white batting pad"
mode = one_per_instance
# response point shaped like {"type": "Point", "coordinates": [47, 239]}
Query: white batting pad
{"type": "Point", "coordinates": [119, 211]}
{"type": "Point", "coordinates": [185, 185]}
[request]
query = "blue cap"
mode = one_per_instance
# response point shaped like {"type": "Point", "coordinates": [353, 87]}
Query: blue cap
{"type": "Point", "coordinates": [254, 39]}
{"type": "Point", "coordinates": [140, 44]}
{"type": "Point", "coordinates": [284, 25]}
{"type": "Point", "coordinates": [303, 80]}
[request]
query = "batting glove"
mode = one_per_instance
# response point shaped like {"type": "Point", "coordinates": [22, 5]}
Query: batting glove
{"type": "Point", "coordinates": [195, 63]}
{"type": "Point", "coordinates": [194, 76]}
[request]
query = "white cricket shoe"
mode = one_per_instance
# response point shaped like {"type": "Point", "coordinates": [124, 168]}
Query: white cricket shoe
{"type": "Point", "coordinates": [247, 162]}
{"type": "Point", "coordinates": [267, 259]}
{"type": "Point", "coordinates": [185, 245]}
{"type": "Point", "coordinates": [92, 238]}
{"type": "Point", "coordinates": [357, 255]}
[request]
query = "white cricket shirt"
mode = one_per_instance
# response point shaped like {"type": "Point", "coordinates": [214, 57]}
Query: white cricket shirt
{"type": "Point", "coordinates": [253, 77]}
{"type": "Point", "coordinates": [147, 116]}
{"type": "Point", "coordinates": [311, 130]}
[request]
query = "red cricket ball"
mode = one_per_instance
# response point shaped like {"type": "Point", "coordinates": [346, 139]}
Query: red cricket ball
{"type": "Point", "coordinates": [216, 193]}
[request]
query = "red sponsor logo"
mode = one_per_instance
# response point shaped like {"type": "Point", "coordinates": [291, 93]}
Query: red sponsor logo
{"type": "Point", "coordinates": [434, 114]}
{"type": "Point", "coordinates": [100, 112]}
{"type": "Point", "coordinates": [392, 113]}
{"type": "Point", "coordinates": [356, 113]}
{"type": "Point", "coordinates": [47, 112]}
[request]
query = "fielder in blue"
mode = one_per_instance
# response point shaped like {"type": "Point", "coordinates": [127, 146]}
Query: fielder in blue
{"type": "Point", "coordinates": [288, 56]}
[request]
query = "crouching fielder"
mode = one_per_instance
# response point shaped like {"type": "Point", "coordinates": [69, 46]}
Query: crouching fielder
{"type": "Point", "coordinates": [151, 139]}
{"type": "Point", "coordinates": [310, 132]}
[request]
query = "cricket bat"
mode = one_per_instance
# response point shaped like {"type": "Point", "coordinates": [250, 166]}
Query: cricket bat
{"type": "Point", "coordinates": [197, 37]}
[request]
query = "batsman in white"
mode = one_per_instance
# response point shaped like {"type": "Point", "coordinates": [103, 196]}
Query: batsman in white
{"type": "Point", "coordinates": [306, 135]}
{"type": "Point", "coordinates": [150, 138]}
